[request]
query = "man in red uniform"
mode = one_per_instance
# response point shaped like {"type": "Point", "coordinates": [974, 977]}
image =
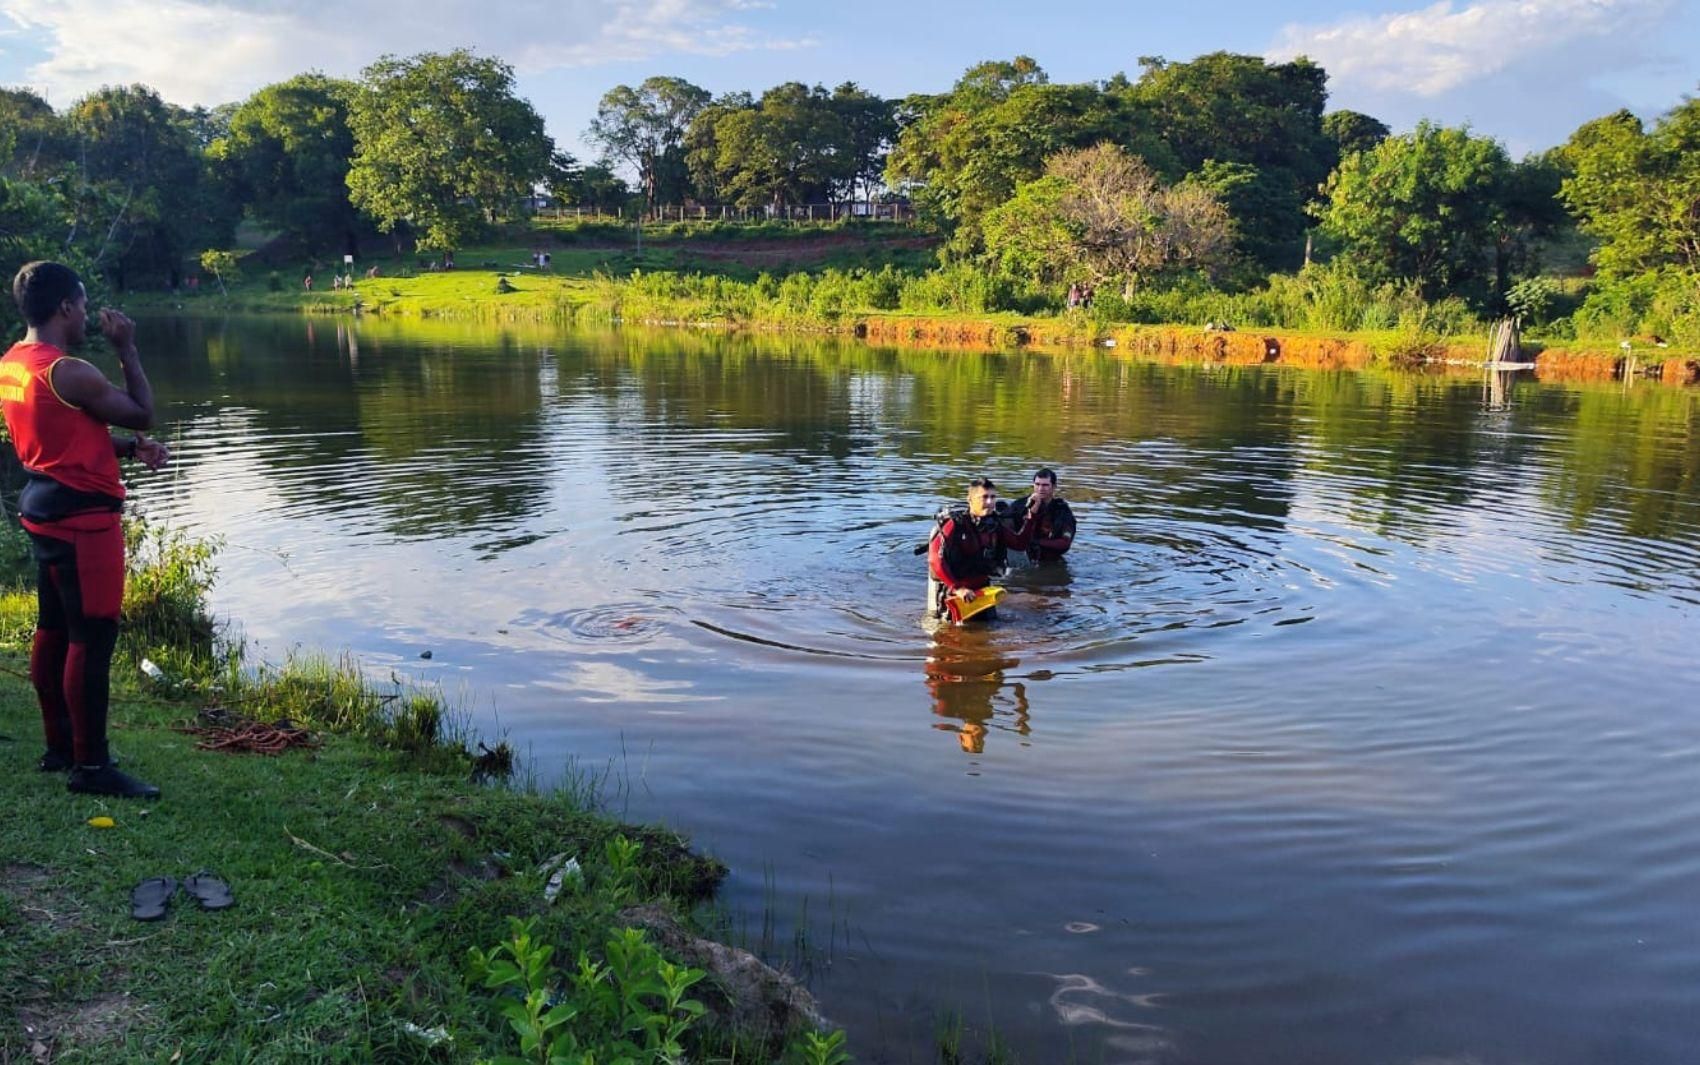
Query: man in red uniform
{"type": "Point", "coordinates": [968, 546]}
{"type": "Point", "coordinates": [57, 409]}
{"type": "Point", "coordinates": [1053, 533]}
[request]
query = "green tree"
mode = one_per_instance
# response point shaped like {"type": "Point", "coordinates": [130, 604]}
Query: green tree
{"type": "Point", "coordinates": [1263, 205]}
{"type": "Point", "coordinates": [645, 128]}
{"type": "Point", "coordinates": [1351, 132]}
{"type": "Point", "coordinates": [1429, 206]}
{"type": "Point", "coordinates": [1638, 192]}
{"type": "Point", "coordinates": [1224, 108]}
{"type": "Point", "coordinates": [793, 146]}
{"type": "Point", "coordinates": [869, 125]}
{"type": "Point", "coordinates": [142, 197]}
{"type": "Point", "coordinates": [286, 150]}
{"type": "Point", "coordinates": [702, 149]}
{"type": "Point", "coordinates": [442, 144]}
{"type": "Point", "coordinates": [37, 139]}
{"type": "Point", "coordinates": [961, 153]}
{"type": "Point", "coordinates": [1100, 214]}
{"type": "Point", "coordinates": [222, 265]}
{"type": "Point", "coordinates": [595, 185]}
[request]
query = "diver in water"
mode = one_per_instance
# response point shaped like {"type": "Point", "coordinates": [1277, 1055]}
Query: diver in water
{"type": "Point", "coordinates": [970, 545]}
{"type": "Point", "coordinates": [1052, 533]}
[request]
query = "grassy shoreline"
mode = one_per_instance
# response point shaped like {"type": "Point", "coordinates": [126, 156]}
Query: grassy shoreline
{"type": "Point", "coordinates": [375, 876]}
{"type": "Point", "coordinates": [516, 293]}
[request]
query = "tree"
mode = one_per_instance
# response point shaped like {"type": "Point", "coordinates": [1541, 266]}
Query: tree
{"type": "Point", "coordinates": [595, 185]}
{"type": "Point", "coordinates": [140, 203]}
{"type": "Point", "coordinates": [222, 265]}
{"type": "Point", "coordinates": [1429, 206]}
{"type": "Point", "coordinates": [1351, 132]}
{"type": "Point", "coordinates": [1638, 192]}
{"type": "Point", "coordinates": [442, 144]}
{"type": "Point", "coordinates": [645, 128]}
{"type": "Point", "coordinates": [794, 146]}
{"type": "Point", "coordinates": [286, 150]}
{"type": "Point", "coordinates": [1102, 215]}
{"type": "Point", "coordinates": [702, 149]}
{"type": "Point", "coordinates": [869, 127]}
{"type": "Point", "coordinates": [39, 140]}
{"type": "Point", "coordinates": [1263, 205]}
{"type": "Point", "coordinates": [964, 152]}
{"type": "Point", "coordinates": [1224, 108]}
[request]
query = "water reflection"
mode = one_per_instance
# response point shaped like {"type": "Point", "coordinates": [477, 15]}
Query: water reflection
{"type": "Point", "coordinates": [1355, 701]}
{"type": "Point", "coordinates": [966, 676]}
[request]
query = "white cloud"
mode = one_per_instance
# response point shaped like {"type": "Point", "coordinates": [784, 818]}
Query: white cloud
{"type": "Point", "coordinates": [1441, 48]}
{"type": "Point", "coordinates": [1528, 71]}
{"type": "Point", "coordinates": [214, 51]}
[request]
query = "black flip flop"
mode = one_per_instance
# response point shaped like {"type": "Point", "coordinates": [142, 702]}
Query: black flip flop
{"type": "Point", "coordinates": [211, 892]}
{"type": "Point", "coordinates": [149, 899]}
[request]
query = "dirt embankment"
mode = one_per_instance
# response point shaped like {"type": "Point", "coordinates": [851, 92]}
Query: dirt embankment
{"type": "Point", "coordinates": [1176, 344]}
{"type": "Point", "coordinates": [760, 254]}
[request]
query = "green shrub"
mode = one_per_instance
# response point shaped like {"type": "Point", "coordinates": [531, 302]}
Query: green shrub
{"type": "Point", "coordinates": [630, 1006]}
{"type": "Point", "coordinates": [1665, 304]}
{"type": "Point", "coordinates": [168, 578]}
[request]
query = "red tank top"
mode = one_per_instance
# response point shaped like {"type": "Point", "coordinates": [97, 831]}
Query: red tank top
{"type": "Point", "coordinates": [53, 437]}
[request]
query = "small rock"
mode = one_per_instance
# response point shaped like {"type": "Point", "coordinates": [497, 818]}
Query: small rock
{"type": "Point", "coordinates": [424, 654]}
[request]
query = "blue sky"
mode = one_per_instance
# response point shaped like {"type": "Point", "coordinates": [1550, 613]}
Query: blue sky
{"type": "Point", "coordinates": [1525, 71]}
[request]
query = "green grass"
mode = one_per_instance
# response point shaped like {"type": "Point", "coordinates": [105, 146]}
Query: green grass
{"type": "Point", "coordinates": [360, 882]}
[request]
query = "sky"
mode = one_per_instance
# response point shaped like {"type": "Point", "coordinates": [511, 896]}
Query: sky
{"type": "Point", "coordinates": [1527, 72]}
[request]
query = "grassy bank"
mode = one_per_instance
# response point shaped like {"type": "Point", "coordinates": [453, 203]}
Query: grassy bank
{"type": "Point", "coordinates": [389, 907]}
{"type": "Point", "coordinates": [876, 283]}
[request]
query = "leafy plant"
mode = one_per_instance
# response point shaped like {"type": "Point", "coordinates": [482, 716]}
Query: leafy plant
{"type": "Point", "coordinates": [521, 967]}
{"type": "Point", "coordinates": [631, 1008]}
{"type": "Point", "coordinates": [622, 855]}
{"type": "Point", "coordinates": [821, 1048]}
{"type": "Point", "coordinates": [1532, 298]}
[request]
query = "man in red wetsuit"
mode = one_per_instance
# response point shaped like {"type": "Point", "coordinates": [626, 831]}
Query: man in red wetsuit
{"type": "Point", "coordinates": [969, 546]}
{"type": "Point", "coordinates": [57, 409]}
{"type": "Point", "coordinates": [1054, 528]}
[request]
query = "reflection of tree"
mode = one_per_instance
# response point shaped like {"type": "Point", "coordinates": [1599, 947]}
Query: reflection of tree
{"type": "Point", "coordinates": [1633, 453]}
{"type": "Point", "coordinates": [451, 426]}
{"type": "Point", "coordinates": [966, 681]}
{"type": "Point", "coordinates": [449, 434]}
{"type": "Point", "coordinates": [1404, 447]}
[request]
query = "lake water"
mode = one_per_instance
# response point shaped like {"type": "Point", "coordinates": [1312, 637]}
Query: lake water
{"type": "Point", "coordinates": [1359, 727]}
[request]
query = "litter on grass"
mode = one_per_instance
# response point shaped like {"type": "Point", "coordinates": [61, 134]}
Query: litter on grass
{"type": "Point", "coordinates": [560, 870]}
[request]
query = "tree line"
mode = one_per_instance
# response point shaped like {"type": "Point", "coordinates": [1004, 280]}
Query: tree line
{"type": "Point", "coordinates": [1219, 171]}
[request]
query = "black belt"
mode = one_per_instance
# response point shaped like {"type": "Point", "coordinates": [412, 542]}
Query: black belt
{"type": "Point", "coordinates": [45, 499]}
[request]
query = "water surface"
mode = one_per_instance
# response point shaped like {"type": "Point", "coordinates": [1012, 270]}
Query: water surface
{"type": "Point", "coordinates": [1352, 730]}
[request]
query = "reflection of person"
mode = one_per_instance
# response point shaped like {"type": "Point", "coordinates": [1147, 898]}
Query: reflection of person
{"type": "Point", "coordinates": [969, 546]}
{"type": "Point", "coordinates": [967, 689]}
{"type": "Point", "coordinates": [1054, 526]}
{"type": "Point", "coordinates": [57, 409]}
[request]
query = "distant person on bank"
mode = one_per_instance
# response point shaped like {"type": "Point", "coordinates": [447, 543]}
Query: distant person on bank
{"type": "Point", "coordinates": [1053, 520]}
{"type": "Point", "coordinates": [57, 408]}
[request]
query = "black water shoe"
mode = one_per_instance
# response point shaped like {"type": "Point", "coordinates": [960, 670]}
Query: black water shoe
{"type": "Point", "coordinates": [109, 780]}
{"type": "Point", "coordinates": [54, 762]}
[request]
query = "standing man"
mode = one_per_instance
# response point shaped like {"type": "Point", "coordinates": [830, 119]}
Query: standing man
{"type": "Point", "coordinates": [968, 546]}
{"type": "Point", "coordinates": [1053, 521]}
{"type": "Point", "coordinates": [57, 409]}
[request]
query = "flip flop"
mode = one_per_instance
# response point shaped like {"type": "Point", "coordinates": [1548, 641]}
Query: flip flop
{"type": "Point", "coordinates": [149, 899]}
{"type": "Point", "coordinates": [211, 892]}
